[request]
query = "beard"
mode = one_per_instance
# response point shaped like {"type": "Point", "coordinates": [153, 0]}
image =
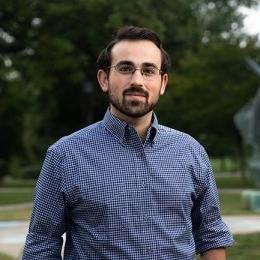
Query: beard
{"type": "Point", "coordinates": [133, 108]}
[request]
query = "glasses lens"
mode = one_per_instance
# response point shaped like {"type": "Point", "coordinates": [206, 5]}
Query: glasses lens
{"type": "Point", "coordinates": [149, 71]}
{"type": "Point", "coordinates": [125, 68]}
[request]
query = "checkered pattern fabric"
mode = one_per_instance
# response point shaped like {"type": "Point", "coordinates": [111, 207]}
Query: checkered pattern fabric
{"type": "Point", "coordinates": [117, 197]}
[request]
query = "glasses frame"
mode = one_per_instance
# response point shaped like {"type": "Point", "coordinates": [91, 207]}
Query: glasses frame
{"type": "Point", "coordinates": [135, 69]}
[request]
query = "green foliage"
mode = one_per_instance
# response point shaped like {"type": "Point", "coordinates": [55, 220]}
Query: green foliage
{"type": "Point", "coordinates": [225, 164]}
{"type": "Point", "coordinates": [48, 51]}
{"type": "Point", "coordinates": [209, 88]}
{"type": "Point", "coordinates": [3, 169]}
{"type": "Point", "coordinates": [18, 183]}
{"type": "Point", "coordinates": [234, 182]}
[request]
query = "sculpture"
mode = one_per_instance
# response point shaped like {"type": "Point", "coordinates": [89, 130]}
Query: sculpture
{"type": "Point", "coordinates": [247, 121]}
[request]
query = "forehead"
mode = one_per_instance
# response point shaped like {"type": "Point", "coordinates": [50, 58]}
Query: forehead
{"type": "Point", "coordinates": [138, 52]}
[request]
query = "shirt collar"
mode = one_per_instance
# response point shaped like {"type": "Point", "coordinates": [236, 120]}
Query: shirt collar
{"type": "Point", "coordinates": [118, 127]}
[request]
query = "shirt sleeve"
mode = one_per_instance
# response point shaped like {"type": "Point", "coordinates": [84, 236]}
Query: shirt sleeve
{"type": "Point", "coordinates": [48, 222]}
{"type": "Point", "coordinates": [209, 230]}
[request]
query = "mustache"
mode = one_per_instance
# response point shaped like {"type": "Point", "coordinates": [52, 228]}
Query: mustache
{"type": "Point", "coordinates": [134, 89]}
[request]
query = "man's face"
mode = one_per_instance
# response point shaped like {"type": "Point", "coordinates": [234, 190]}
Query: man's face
{"type": "Point", "coordinates": [134, 94]}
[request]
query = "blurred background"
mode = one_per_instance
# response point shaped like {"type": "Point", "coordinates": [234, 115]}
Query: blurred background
{"type": "Point", "coordinates": [48, 87]}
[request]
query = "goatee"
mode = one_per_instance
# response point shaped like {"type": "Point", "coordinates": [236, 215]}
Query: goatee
{"type": "Point", "coordinates": [132, 108]}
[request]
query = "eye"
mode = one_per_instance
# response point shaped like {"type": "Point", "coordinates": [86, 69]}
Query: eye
{"type": "Point", "coordinates": [149, 71]}
{"type": "Point", "coordinates": [125, 68]}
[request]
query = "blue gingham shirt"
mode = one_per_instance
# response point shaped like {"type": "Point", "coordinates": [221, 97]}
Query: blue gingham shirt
{"type": "Point", "coordinates": [117, 197]}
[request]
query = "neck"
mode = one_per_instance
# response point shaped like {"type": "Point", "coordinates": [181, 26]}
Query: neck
{"type": "Point", "coordinates": [140, 124]}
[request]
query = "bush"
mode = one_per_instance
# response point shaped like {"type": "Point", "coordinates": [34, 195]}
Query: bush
{"type": "Point", "coordinates": [234, 182]}
{"type": "Point", "coordinates": [30, 171]}
{"type": "Point", "coordinates": [3, 169]}
{"type": "Point", "coordinates": [22, 169]}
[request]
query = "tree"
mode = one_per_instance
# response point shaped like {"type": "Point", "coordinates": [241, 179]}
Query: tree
{"type": "Point", "coordinates": [48, 51]}
{"type": "Point", "coordinates": [207, 91]}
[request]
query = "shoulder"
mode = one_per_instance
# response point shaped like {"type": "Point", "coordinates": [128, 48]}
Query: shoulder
{"type": "Point", "coordinates": [186, 145]}
{"type": "Point", "coordinates": [65, 155]}
{"type": "Point", "coordinates": [80, 138]}
{"type": "Point", "coordinates": [178, 137]}
{"type": "Point", "coordinates": [189, 152]}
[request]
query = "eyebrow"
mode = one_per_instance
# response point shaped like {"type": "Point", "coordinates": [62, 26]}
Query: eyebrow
{"type": "Point", "coordinates": [146, 64]}
{"type": "Point", "coordinates": [127, 62]}
{"type": "Point", "coordinates": [149, 64]}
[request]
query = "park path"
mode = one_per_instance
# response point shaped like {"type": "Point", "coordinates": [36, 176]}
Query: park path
{"type": "Point", "coordinates": [13, 233]}
{"type": "Point", "coordinates": [12, 237]}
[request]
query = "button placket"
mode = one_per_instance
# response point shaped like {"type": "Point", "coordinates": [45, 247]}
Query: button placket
{"type": "Point", "coordinates": [142, 180]}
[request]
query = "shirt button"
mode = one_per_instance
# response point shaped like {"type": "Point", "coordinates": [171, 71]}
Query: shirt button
{"type": "Point", "coordinates": [147, 251]}
{"type": "Point", "coordinates": [146, 217]}
{"type": "Point", "coordinates": [141, 155]}
{"type": "Point", "coordinates": [143, 184]}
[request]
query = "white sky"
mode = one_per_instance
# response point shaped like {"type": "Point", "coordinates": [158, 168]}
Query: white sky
{"type": "Point", "coordinates": [252, 20]}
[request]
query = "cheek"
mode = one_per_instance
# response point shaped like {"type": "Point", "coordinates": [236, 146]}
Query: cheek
{"type": "Point", "coordinates": [155, 91]}
{"type": "Point", "coordinates": [117, 85]}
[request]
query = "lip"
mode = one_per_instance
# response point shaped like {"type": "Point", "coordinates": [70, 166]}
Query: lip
{"type": "Point", "coordinates": [135, 94]}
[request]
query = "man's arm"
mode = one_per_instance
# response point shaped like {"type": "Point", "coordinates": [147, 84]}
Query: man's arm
{"type": "Point", "coordinates": [211, 234]}
{"type": "Point", "coordinates": [214, 254]}
{"type": "Point", "coordinates": [48, 222]}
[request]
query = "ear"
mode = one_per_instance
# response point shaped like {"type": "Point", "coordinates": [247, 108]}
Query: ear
{"type": "Point", "coordinates": [102, 78]}
{"type": "Point", "coordinates": [164, 83]}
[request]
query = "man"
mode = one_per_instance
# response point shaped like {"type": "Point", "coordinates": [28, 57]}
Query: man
{"type": "Point", "coordinates": [127, 187]}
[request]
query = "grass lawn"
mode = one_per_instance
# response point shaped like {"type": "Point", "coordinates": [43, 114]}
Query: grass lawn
{"type": "Point", "coordinates": [6, 257]}
{"type": "Point", "coordinates": [234, 182]}
{"type": "Point", "coordinates": [246, 247]}
{"type": "Point", "coordinates": [16, 214]}
{"type": "Point", "coordinates": [15, 195]}
{"type": "Point", "coordinates": [231, 204]}
{"type": "Point", "coordinates": [11, 196]}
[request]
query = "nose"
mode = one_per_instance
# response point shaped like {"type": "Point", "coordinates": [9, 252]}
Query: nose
{"type": "Point", "coordinates": [137, 77]}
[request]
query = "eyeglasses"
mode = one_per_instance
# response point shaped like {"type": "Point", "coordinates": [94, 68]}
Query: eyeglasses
{"type": "Point", "coordinates": [149, 72]}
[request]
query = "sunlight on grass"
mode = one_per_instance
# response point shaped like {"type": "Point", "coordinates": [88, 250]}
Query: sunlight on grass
{"type": "Point", "coordinates": [17, 214]}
